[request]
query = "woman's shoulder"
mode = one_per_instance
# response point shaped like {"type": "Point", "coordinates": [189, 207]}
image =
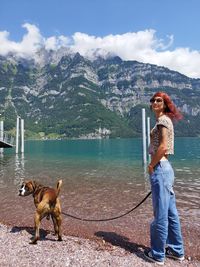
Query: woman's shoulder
{"type": "Point", "coordinates": [165, 121]}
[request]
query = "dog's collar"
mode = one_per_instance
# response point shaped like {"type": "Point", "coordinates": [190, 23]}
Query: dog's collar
{"type": "Point", "coordinates": [34, 186]}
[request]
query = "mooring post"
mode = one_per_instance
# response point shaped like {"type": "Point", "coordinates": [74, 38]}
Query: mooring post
{"type": "Point", "coordinates": [148, 136]}
{"type": "Point", "coordinates": [22, 136]}
{"type": "Point", "coordinates": [17, 135]}
{"type": "Point", "coordinates": [1, 134]}
{"type": "Point", "coordinates": [144, 137]}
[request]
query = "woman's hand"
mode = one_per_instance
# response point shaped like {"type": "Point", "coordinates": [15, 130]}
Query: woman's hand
{"type": "Point", "coordinates": [150, 169]}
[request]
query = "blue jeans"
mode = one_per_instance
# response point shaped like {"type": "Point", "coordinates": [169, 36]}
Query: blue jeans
{"type": "Point", "coordinates": [165, 229]}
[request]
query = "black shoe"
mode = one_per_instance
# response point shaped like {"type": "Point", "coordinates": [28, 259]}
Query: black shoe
{"type": "Point", "coordinates": [173, 255]}
{"type": "Point", "coordinates": [150, 257]}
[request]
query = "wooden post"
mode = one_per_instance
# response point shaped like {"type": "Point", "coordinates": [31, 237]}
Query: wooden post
{"type": "Point", "coordinates": [22, 136]}
{"type": "Point", "coordinates": [1, 134]}
{"type": "Point", "coordinates": [144, 137]}
{"type": "Point", "coordinates": [148, 136]}
{"type": "Point", "coordinates": [17, 135]}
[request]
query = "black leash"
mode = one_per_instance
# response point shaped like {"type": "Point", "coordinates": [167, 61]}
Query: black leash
{"type": "Point", "coordinates": [109, 219]}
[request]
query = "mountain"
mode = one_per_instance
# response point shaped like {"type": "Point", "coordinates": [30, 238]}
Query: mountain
{"type": "Point", "coordinates": [66, 95]}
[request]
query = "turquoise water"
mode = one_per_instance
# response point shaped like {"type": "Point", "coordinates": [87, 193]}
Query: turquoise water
{"type": "Point", "coordinates": [96, 171]}
{"type": "Point", "coordinates": [126, 150]}
{"type": "Point", "coordinates": [115, 159]}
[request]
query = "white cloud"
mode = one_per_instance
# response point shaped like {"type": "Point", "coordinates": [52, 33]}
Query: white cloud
{"type": "Point", "coordinates": [31, 41]}
{"type": "Point", "coordinates": [53, 43]}
{"type": "Point", "coordinates": [142, 46]}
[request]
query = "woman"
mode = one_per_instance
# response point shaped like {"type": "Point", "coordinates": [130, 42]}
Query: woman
{"type": "Point", "coordinates": [165, 230]}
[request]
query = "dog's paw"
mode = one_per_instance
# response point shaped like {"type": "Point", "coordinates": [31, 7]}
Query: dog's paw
{"type": "Point", "coordinates": [33, 243]}
{"type": "Point", "coordinates": [60, 238]}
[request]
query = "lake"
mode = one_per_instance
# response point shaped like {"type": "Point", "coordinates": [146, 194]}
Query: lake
{"type": "Point", "coordinates": [101, 179]}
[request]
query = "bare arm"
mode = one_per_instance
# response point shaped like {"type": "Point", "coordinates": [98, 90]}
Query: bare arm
{"type": "Point", "coordinates": [161, 151]}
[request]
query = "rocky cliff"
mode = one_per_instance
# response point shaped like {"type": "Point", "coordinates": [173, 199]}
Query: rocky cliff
{"type": "Point", "coordinates": [71, 96]}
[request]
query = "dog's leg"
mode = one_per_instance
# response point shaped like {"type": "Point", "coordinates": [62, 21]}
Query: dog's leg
{"type": "Point", "coordinates": [41, 211]}
{"type": "Point", "coordinates": [54, 224]}
{"type": "Point", "coordinates": [59, 221]}
{"type": "Point", "coordinates": [37, 220]}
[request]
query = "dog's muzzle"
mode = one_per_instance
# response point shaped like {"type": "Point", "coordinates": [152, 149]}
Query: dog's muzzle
{"type": "Point", "coordinates": [22, 191]}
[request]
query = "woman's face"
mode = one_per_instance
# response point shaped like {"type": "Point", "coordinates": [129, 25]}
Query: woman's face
{"type": "Point", "coordinates": [157, 104]}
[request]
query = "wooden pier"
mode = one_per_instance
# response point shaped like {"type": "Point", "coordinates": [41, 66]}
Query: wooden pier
{"type": "Point", "coordinates": [7, 140]}
{"type": "Point", "coordinates": [4, 144]}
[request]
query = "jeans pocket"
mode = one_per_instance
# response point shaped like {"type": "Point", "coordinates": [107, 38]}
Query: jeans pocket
{"type": "Point", "coordinates": [168, 176]}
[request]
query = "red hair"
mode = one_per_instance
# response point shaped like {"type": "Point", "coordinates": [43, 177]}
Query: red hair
{"type": "Point", "coordinates": [170, 108]}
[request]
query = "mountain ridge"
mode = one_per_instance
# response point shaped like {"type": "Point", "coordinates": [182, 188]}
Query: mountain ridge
{"type": "Point", "coordinates": [70, 96]}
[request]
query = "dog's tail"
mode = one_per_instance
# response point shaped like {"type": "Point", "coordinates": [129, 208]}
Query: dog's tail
{"type": "Point", "coordinates": [58, 187]}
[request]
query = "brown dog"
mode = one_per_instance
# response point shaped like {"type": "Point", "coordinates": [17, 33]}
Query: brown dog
{"type": "Point", "coordinates": [47, 203]}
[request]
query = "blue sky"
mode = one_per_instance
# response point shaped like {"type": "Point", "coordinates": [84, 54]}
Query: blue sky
{"type": "Point", "coordinates": [152, 31]}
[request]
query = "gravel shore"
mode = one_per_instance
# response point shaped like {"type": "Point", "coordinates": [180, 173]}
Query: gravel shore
{"type": "Point", "coordinates": [16, 251]}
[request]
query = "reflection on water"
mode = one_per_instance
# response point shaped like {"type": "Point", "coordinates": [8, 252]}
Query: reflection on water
{"type": "Point", "coordinates": [19, 169]}
{"type": "Point", "coordinates": [12, 170]}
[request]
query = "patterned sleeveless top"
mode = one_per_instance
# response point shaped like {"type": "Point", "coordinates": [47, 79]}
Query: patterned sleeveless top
{"type": "Point", "coordinates": [165, 121]}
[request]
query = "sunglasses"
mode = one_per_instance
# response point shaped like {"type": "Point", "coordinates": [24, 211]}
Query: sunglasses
{"type": "Point", "coordinates": [156, 100]}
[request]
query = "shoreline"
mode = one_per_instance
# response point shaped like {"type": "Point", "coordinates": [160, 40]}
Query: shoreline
{"type": "Point", "coordinates": [129, 232]}
{"type": "Point", "coordinates": [73, 251]}
{"type": "Point", "coordinates": [126, 237]}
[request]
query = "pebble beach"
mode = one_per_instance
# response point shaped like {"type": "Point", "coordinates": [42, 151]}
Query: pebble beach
{"type": "Point", "coordinates": [15, 250]}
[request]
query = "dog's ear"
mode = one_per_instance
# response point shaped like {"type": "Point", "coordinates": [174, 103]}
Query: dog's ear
{"type": "Point", "coordinates": [30, 185]}
{"type": "Point", "coordinates": [34, 184]}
